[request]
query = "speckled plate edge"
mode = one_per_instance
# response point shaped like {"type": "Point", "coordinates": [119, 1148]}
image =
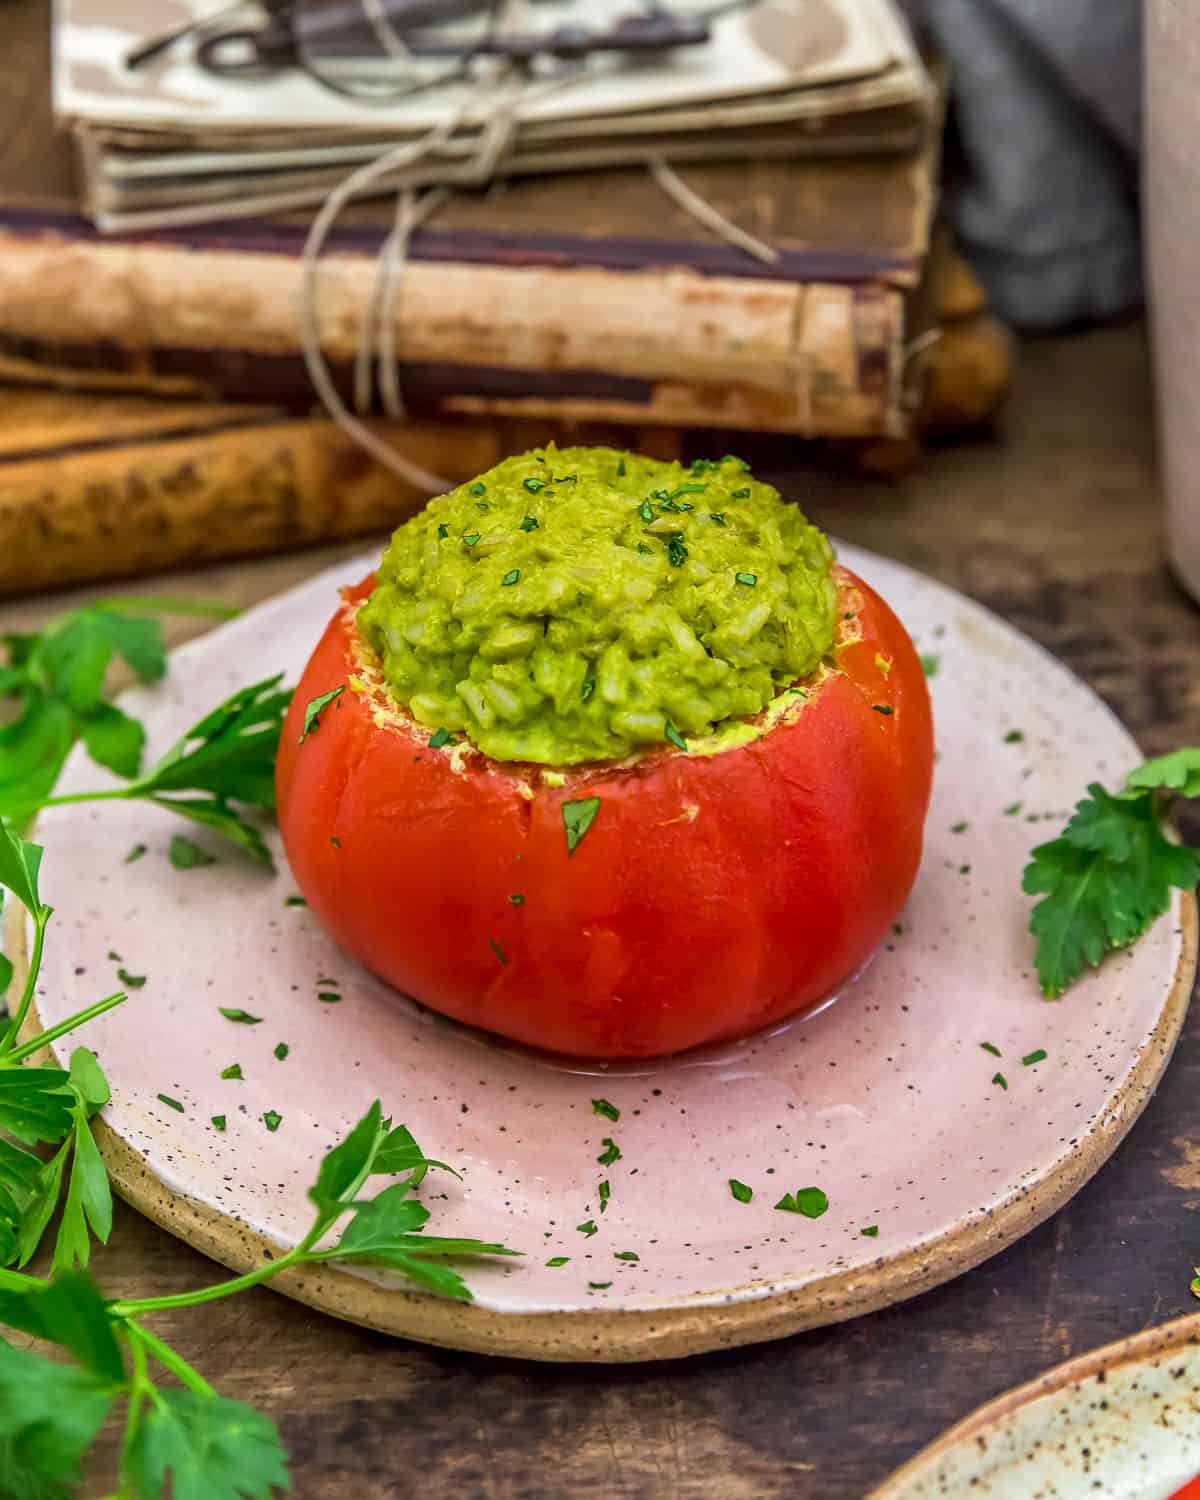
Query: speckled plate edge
{"type": "Point", "coordinates": [987, 1420]}
{"type": "Point", "coordinates": [750, 1314]}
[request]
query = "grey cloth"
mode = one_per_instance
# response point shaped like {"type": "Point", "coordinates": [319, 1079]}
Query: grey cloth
{"type": "Point", "coordinates": [1046, 111]}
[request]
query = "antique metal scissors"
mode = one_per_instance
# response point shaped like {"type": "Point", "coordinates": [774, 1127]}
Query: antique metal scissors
{"type": "Point", "coordinates": [293, 33]}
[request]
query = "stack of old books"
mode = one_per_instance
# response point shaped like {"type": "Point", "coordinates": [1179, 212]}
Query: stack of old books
{"type": "Point", "coordinates": [571, 293]}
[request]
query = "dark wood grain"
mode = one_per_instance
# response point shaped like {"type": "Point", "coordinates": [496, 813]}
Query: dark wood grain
{"type": "Point", "coordinates": [1056, 525]}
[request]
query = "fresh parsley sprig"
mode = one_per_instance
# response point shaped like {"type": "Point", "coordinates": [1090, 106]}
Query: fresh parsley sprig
{"type": "Point", "coordinates": [226, 758]}
{"type": "Point", "coordinates": [46, 1106]}
{"type": "Point", "coordinates": [1110, 873]}
{"type": "Point", "coordinates": [188, 1436]}
{"type": "Point", "coordinates": [53, 681]}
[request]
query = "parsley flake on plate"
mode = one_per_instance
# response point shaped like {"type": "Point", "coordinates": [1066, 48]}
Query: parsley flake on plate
{"type": "Point", "coordinates": [1032, 1058]}
{"type": "Point", "coordinates": [295, 901]}
{"type": "Point", "coordinates": [1000, 1079]}
{"type": "Point", "coordinates": [991, 1047]}
{"type": "Point", "coordinates": [234, 1070]}
{"type": "Point", "coordinates": [740, 1190]}
{"type": "Point", "coordinates": [281, 1050]}
{"type": "Point", "coordinates": [611, 1152]}
{"type": "Point", "coordinates": [604, 1191]}
{"type": "Point", "coordinates": [184, 854]}
{"type": "Point", "coordinates": [558, 1260]}
{"type": "Point", "coordinates": [170, 1103]}
{"type": "Point", "coordinates": [131, 981]}
{"type": "Point", "coordinates": [626, 1255]}
{"type": "Point", "coordinates": [599, 1286]}
{"type": "Point", "coordinates": [135, 854]}
{"type": "Point", "coordinates": [238, 1016]}
{"type": "Point", "coordinates": [930, 665]}
{"type": "Point", "coordinates": [870, 1231]}
{"type": "Point", "coordinates": [217, 1122]}
{"type": "Point", "coordinates": [809, 1201]}
{"type": "Point", "coordinates": [272, 1119]}
{"type": "Point", "coordinates": [587, 1228]}
{"type": "Point", "coordinates": [603, 1107]}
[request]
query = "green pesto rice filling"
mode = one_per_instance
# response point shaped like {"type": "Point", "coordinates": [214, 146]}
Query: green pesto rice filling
{"type": "Point", "coordinates": [577, 604]}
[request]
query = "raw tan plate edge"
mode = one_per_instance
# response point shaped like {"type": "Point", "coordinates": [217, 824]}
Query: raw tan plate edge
{"type": "Point", "coordinates": [1176, 1334]}
{"type": "Point", "coordinates": [671, 1330]}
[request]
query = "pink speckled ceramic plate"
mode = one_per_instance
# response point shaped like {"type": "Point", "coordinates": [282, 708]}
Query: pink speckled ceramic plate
{"type": "Point", "coordinates": [885, 1099]}
{"type": "Point", "coordinates": [1121, 1421]}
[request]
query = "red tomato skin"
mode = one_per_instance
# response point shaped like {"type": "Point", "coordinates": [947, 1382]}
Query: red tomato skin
{"type": "Point", "coordinates": [711, 896]}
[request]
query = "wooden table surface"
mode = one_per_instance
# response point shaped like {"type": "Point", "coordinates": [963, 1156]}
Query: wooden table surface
{"type": "Point", "coordinates": [1056, 526]}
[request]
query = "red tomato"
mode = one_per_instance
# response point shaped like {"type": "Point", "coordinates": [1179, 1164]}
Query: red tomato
{"type": "Point", "coordinates": [711, 895]}
{"type": "Point", "coordinates": [1190, 1491]}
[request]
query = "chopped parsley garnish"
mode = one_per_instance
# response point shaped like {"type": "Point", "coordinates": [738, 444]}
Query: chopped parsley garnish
{"type": "Point", "coordinates": [870, 1231]}
{"type": "Point", "coordinates": [1000, 1079]}
{"type": "Point", "coordinates": [603, 1107]}
{"type": "Point", "coordinates": [740, 1190]}
{"type": "Point", "coordinates": [677, 551]}
{"type": "Point", "coordinates": [620, 468]}
{"type": "Point", "coordinates": [114, 957]}
{"type": "Point", "coordinates": [1014, 736]}
{"type": "Point", "coordinates": [749, 579]}
{"type": "Point", "coordinates": [497, 950]}
{"type": "Point", "coordinates": [443, 531]}
{"type": "Point", "coordinates": [336, 842]}
{"type": "Point", "coordinates": [512, 576]}
{"type": "Point", "coordinates": [272, 1119]}
{"type": "Point", "coordinates": [234, 1070]}
{"type": "Point", "coordinates": [740, 495]}
{"type": "Point", "coordinates": [687, 489]}
{"type": "Point", "coordinates": [241, 1017]}
{"type": "Point", "coordinates": [675, 737]}
{"type": "Point", "coordinates": [328, 997]}
{"type": "Point", "coordinates": [170, 1103]}
{"type": "Point", "coordinates": [1037, 1056]}
{"type": "Point", "coordinates": [930, 665]}
{"type": "Point", "coordinates": [439, 738]}
{"type": "Point", "coordinates": [883, 708]}
{"type": "Point", "coordinates": [578, 817]}
{"type": "Point", "coordinates": [281, 1050]}
{"type": "Point", "coordinates": [477, 488]}
{"type": "Point", "coordinates": [471, 538]}
{"type": "Point", "coordinates": [529, 523]}
{"type": "Point", "coordinates": [588, 688]}
{"type": "Point", "coordinates": [646, 511]}
{"type": "Point", "coordinates": [534, 484]}
{"type": "Point", "coordinates": [809, 1201]}
{"type": "Point", "coordinates": [599, 1286]}
{"type": "Point", "coordinates": [312, 711]}
{"type": "Point", "coordinates": [960, 827]}
{"type": "Point", "coordinates": [295, 901]}
{"type": "Point", "coordinates": [964, 869]}
{"type": "Point", "coordinates": [185, 855]}
{"type": "Point", "coordinates": [135, 854]}
{"type": "Point", "coordinates": [482, 505]}
{"type": "Point", "coordinates": [587, 1228]}
{"type": "Point", "coordinates": [517, 899]}
{"type": "Point", "coordinates": [641, 546]}
{"type": "Point", "coordinates": [558, 1260]}
{"type": "Point", "coordinates": [604, 1191]}
{"type": "Point", "coordinates": [1012, 809]}
{"type": "Point", "coordinates": [626, 1255]}
{"type": "Point", "coordinates": [990, 1047]}
{"type": "Point", "coordinates": [611, 1152]}
{"type": "Point", "coordinates": [717, 516]}
{"type": "Point", "coordinates": [217, 1122]}
{"type": "Point", "coordinates": [131, 981]}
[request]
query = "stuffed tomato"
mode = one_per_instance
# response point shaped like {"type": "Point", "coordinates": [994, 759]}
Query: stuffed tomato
{"type": "Point", "coordinates": [621, 762]}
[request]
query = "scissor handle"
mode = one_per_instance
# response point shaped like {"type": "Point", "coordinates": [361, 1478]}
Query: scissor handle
{"type": "Point", "coordinates": [247, 53]}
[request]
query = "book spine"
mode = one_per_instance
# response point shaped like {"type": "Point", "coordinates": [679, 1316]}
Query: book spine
{"type": "Point", "coordinates": [87, 505]}
{"type": "Point", "coordinates": [650, 346]}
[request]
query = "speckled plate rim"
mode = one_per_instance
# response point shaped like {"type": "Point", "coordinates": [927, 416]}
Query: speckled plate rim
{"type": "Point", "coordinates": [751, 1313]}
{"type": "Point", "coordinates": [987, 1420]}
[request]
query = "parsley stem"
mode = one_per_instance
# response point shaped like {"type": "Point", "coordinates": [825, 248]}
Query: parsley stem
{"type": "Point", "coordinates": [140, 1386]}
{"type": "Point", "coordinates": [44, 1038]}
{"type": "Point", "coordinates": [166, 1356]}
{"type": "Point", "coordinates": [211, 1293]}
{"type": "Point", "coordinates": [17, 1019]}
{"type": "Point", "coordinates": [165, 604]}
{"type": "Point", "coordinates": [17, 1281]}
